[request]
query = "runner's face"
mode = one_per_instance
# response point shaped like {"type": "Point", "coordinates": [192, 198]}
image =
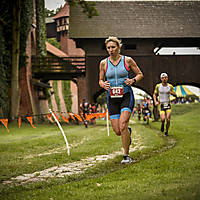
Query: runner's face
{"type": "Point", "coordinates": [164, 79]}
{"type": "Point", "coordinates": [112, 48]}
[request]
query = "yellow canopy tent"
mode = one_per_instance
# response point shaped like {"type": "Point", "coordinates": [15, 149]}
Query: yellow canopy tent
{"type": "Point", "coordinates": [181, 91]}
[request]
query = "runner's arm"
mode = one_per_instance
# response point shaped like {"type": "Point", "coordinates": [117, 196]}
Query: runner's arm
{"type": "Point", "coordinates": [102, 68]}
{"type": "Point", "coordinates": [134, 67]}
{"type": "Point", "coordinates": [155, 94]}
{"type": "Point", "coordinates": [172, 91]}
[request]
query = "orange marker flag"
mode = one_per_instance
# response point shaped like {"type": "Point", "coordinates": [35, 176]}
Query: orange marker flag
{"type": "Point", "coordinates": [92, 115]}
{"type": "Point", "coordinates": [56, 116]}
{"type": "Point", "coordinates": [89, 117]}
{"type": "Point", "coordinates": [19, 121]}
{"type": "Point", "coordinates": [30, 119]}
{"type": "Point", "coordinates": [71, 115]}
{"type": "Point", "coordinates": [101, 115]}
{"type": "Point", "coordinates": [96, 115]}
{"type": "Point", "coordinates": [78, 117]}
{"type": "Point", "coordinates": [5, 123]}
{"type": "Point", "coordinates": [65, 119]}
{"type": "Point", "coordinates": [49, 118]}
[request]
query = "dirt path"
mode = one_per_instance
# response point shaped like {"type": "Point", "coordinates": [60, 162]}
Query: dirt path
{"type": "Point", "coordinates": [69, 168]}
{"type": "Point", "coordinates": [81, 166]}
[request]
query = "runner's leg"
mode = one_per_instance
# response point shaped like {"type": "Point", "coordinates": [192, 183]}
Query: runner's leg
{"type": "Point", "coordinates": [115, 126]}
{"type": "Point", "coordinates": [168, 116]}
{"type": "Point", "coordinates": [123, 125]}
{"type": "Point", "coordinates": [162, 117]}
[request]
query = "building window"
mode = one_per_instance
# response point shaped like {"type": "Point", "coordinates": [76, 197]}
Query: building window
{"type": "Point", "coordinates": [58, 24]}
{"type": "Point", "coordinates": [65, 21]}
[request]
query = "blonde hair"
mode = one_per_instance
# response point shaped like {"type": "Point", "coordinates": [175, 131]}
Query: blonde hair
{"type": "Point", "coordinates": [114, 39]}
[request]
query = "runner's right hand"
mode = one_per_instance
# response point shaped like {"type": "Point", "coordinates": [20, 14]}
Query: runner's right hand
{"type": "Point", "coordinates": [106, 85]}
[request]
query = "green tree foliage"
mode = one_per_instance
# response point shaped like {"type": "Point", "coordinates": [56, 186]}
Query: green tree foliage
{"type": "Point", "coordinates": [54, 42]}
{"type": "Point", "coordinates": [51, 13]}
{"type": "Point", "coordinates": [55, 89]}
{"type": "Point", "coordinates": [5, 56]}
{"type": "Point", "coordinates": [6, 24]}
{"type": "Point", "coordinates": [102, 99]}
{"type": "Point", "coordinates": [4, 105]}
{"type": "Point", "coordinates": [67, 95]}
{"type": "Point", "coordinates": [87, 7]}
{"type": "Point", "coordinates": [26, 21]}
{"type": "Point", "coordinates": [41, 28]}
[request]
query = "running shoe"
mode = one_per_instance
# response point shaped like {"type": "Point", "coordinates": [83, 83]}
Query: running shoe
{"type": "Point", "coordinates": [126, 160]}
{"type": "Point", "coordinates": [130, 131]}
{"type": "Point", "coordinates": [166, 133]}
{"type": "Point", "coordinates": [162, 127]}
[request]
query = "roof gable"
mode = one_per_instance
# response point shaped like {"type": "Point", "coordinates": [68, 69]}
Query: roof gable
{"type": "Point", "coordinates": [138, 19]}
{"type": "Point", "coordinates": [64, 12]}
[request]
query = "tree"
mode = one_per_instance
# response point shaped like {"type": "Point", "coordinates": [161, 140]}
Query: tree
{"type": "Point", "coordinates": [15, 96]}
{"type": "Point", "coordinates": [15, 56]}
{"type": "Point", "coordinates": [88, 7]}
{"type": "Point", "coordinates": [51, 13]}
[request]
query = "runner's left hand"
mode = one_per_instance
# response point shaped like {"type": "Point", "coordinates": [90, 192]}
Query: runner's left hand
{"type": "Point", "coordinates": [129, 81]}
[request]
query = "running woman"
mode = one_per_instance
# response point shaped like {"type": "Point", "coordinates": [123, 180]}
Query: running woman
{"type": "Point", "coordinates": [163, 90]}
{"type": "Point", "coordinates": [114, 77]}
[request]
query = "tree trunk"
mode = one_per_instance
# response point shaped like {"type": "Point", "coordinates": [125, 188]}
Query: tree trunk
{"type": "Point", "coordinates": [15, 97]}
{"type": "Point", "coordinates": [62, 102]}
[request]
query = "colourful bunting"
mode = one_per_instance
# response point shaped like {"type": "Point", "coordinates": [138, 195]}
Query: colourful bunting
{"type": "Point", "coordinates": [30, 119]}
{"type": "Point", "coordinates": [56, 117]}
{"type": "Point", "coordinates": [5, 123]}
{"type": "Point", "coordinates": [78, 117]}
{"type": "Point", "coordinates": [72, 116]}
{"type": "Point", "coordinates": [49, 117]}
{"type": "Point", "coordinates": [19, 121]}
{"type": "Point", "coordinates": [65, 119]}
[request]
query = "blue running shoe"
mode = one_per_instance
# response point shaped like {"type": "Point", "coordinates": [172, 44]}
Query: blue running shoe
{"type": "Point", "coordinates": [130, 131]}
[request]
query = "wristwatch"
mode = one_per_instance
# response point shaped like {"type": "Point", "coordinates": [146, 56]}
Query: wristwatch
{"type": "Point", "coordinates": [134, 80]}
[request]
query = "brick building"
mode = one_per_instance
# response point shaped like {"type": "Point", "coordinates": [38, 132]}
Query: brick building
{"type": "Point", "coordinates": [58, 28]}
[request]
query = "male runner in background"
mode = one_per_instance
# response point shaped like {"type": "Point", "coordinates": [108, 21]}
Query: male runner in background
{"type": "Point", "coordinates": [163, 90]}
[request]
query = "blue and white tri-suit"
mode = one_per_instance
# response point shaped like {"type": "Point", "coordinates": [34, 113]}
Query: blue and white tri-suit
{"type": "Point", "coordinates": [116, 76]}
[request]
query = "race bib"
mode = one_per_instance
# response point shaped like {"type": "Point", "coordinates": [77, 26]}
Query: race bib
{"type": "Point", "coordinates": [116, 92]}
{"type": "Point", "coordinates": [165, 106]}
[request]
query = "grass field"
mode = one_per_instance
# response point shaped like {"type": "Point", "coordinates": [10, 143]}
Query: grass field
{"type": "Point", "coordinates": [35, 165]}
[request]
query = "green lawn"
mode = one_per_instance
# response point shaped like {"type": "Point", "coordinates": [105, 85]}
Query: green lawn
{"type": "Point", "coordinates": [164, 167]}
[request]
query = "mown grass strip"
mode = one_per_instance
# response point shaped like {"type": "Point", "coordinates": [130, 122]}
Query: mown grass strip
{"type": "Point", "coordinates": [171, 174]}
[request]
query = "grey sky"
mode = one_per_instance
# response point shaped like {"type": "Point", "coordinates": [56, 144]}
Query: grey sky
{"type": "Point", "coordinates": [53, 4]}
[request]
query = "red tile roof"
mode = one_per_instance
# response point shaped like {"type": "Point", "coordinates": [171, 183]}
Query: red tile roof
{"type": "Point", "coordinates": [64, 12]}
{"type": "Point", "coordinates": [55, 51]}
